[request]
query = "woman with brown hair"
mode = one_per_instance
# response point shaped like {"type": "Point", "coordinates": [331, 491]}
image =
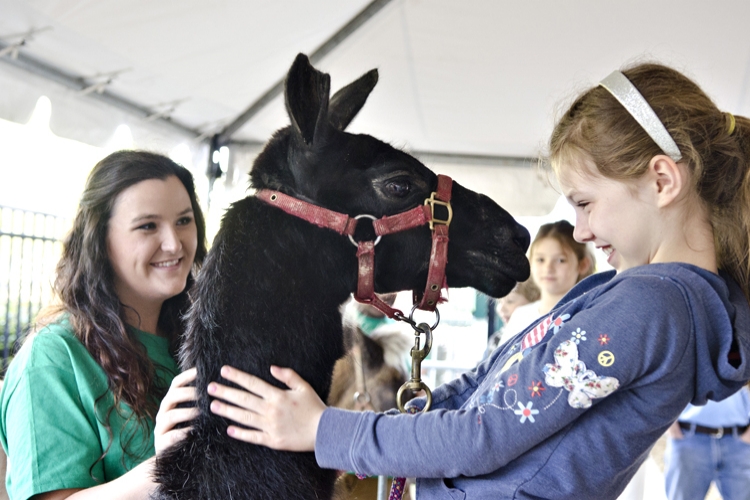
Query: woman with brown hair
{"type": "Point", "coordinates": [81, 397]}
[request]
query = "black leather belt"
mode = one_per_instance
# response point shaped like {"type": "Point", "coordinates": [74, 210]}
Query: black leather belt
{"type": "Point", "coordinates": [712, 431]}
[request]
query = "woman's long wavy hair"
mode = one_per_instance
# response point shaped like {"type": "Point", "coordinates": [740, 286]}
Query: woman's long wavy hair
{"type": "Point", "coordinates": [715, 147]}
{"type": "Point", "coordinates": [85, 290]}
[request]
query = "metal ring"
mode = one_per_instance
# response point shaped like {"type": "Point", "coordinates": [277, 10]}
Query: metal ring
{"type": "Point", "coordinates": [361, 398]}
{"type": "Point", "coordinates": [413, 385]}
{"type": "Point", "coordinates": [365, 216]}
{"type": "Point", "coordinates": [411, 317]}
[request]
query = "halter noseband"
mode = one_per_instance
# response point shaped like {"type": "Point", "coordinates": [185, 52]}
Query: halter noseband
{"type": "Point", "coordinates": [345, 225]}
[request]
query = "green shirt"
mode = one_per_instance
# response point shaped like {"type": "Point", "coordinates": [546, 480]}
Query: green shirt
{"type": "Point", "coordinates": [49, 427]}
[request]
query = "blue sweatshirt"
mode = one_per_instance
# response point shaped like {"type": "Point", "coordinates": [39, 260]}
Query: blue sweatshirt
{"type": "Point", "coordinates": [570, 407]}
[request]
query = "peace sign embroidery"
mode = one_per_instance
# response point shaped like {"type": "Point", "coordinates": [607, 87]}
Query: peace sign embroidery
{"type": "Point", "coordinates": [606, 358]}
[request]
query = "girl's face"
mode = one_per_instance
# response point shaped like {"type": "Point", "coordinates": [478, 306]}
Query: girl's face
{"type": "Point", "coordinates": [554, 268]}
{"type": "Point", "coordinates": [509, 303]}
{"type": "Point", "coordinates": [615, 216]}
{"type": "Point", "coordinates": [151, 241]}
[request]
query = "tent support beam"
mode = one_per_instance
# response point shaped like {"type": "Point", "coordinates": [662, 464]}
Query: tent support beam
{"type": "Point", "coordinates": [224, 137]}
{"type": "Point", "coordinates": [471, 159]}
{"type": "Point", "coordinates": [78, 83]}
{"type": "Point", "coordinates": [435, 157]}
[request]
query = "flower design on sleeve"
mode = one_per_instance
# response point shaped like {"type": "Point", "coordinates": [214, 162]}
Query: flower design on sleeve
{"type": "Point", "coordinates": [526, 412]}
{"type": "Point", "coordinates": [578, 335]}
{"type": "Point", "coordinates": [536, 388]}
{"type": "Point", "coordinates": [487, 397]}
{"type": "Point", "coordinates": [571, 373]}
{"type": "Point", "coordinates": [559, 322]}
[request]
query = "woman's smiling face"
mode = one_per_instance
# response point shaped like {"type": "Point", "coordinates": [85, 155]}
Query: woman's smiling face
{"type": "Point", "coordinates": [151, 241]}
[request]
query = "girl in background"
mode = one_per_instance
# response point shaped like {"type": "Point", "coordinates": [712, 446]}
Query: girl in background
{"type": "Point", "coordinates": [558, 262]}
{"type": "Point", "coordinates": [522, 294]}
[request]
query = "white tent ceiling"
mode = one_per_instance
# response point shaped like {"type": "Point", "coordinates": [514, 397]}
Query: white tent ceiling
{"type": "Point", "coordinates": [471, 82]}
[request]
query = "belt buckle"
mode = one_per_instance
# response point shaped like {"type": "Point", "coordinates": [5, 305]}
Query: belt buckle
{"type": "Point", "coordinates": [719, 433]}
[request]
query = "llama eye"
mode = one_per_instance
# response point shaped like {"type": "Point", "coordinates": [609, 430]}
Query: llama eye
{"type": "Point", "coordinates": [398, 189]}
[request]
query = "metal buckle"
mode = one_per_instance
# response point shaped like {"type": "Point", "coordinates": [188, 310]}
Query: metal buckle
{"type": "Point", "coordinates": [719, 433]}
{"type": "Point", "coordinates": [431, 201]}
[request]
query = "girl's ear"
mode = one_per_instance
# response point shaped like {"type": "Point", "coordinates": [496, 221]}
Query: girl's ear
{"type": "Point", "coordinates": [584, 267]}
{"type": "Point", "coordinates": [668, 179]}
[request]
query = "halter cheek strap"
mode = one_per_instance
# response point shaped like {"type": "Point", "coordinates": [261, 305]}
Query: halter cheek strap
{"type": "Point", "coordinates": [345, 225]}
{"type": "Point", "coordinates": [439, 254]}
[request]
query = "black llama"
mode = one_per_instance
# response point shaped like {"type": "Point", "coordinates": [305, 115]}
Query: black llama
{"type": "Point", "coordinates": [271, 286]}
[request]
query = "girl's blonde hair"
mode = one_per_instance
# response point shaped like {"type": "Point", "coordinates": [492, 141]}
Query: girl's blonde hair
{"type": "Point", "coordinates": [562, 231]}
{"type": "Point", "coordinates": [715, 147]}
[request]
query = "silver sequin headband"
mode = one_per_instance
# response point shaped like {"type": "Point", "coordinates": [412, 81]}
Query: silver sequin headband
{"type": "Point", "coordinates": [624, 91]}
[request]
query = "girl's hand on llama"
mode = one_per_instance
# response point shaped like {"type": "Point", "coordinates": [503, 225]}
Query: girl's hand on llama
{"type": "Point", "coordinates": [169, 415]}
{"type": "Point", "coordinates": [277, 418]}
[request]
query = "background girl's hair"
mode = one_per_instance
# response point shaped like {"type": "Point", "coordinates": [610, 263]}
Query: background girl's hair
{"type": "Point", "coordinates": [85, 289]}
{"type": "Point", "coordinates": [528, 289]}
{"type": "Point", "coordinates": [598, 128]}
{"type": "Point", "coordinates": [562, 231]}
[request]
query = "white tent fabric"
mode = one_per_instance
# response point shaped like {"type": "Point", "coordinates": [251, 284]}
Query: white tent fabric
{"type": "Point", "coordinates": [480, 79]}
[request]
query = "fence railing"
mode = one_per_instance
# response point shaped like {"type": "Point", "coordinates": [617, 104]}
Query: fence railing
{"type": "Point", "coordinates": [30, 246]}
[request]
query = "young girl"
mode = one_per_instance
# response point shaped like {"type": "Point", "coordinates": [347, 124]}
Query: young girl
{"type": "Point", "coordinates": [558, 262]}
{"type": "Point", "coordinates": [523, 293]}
{"type": "Point", "coordinates": [570, 407]}
{"type": "Point", "coordinates": [80, 399]}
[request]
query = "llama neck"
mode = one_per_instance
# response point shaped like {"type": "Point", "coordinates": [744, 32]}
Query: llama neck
{"type": "Point", "coordinates": [273, 271]}
{"type": "Point", "coordinates": [270, 293]}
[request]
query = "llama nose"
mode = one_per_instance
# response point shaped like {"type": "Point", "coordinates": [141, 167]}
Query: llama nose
{"type": "Point", "coordinates": [522, 237]}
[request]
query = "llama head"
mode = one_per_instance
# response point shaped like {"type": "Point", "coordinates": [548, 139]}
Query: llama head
{"type": "Point", "coordinates": [315, 160]}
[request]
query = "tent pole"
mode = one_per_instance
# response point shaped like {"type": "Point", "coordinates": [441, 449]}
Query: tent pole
{"type": "Point", "coordinates": [364, 15]}
{"type": "Point", "coordinates": [78, 83]}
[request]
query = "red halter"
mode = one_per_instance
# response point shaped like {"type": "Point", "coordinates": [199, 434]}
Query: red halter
{"type": "Point", "coordinates": [345, 225]}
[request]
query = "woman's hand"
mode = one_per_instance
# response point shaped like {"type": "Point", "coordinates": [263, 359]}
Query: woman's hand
{"type": "Point", "coordinates": [674, 431]}
{"type": "Point", "coordinates": [280, 419]}
{"type": "Point", "coordinates": [745, 436]}
{"type": "Point", "coordinates": [165, 435]}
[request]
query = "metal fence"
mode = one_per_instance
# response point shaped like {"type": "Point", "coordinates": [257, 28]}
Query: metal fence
{"type": "Point", "coordinates": [30, 246]}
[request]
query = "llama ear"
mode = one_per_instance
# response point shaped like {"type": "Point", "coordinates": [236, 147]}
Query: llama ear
{"type": "Point", "coordinates": [346, 103]}
{"type": "Point", "coordinates": [307, 91]}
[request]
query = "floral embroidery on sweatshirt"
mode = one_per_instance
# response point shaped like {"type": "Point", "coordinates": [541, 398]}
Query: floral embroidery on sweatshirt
{"type": "Point", "coordinates": [578, 335]}
{"type": "Point", "coordinates": [507, 389]}
{"type": "Point", "coordinates": [571, 374]}
{"type": "Point", "coordinates": [526, 412]}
